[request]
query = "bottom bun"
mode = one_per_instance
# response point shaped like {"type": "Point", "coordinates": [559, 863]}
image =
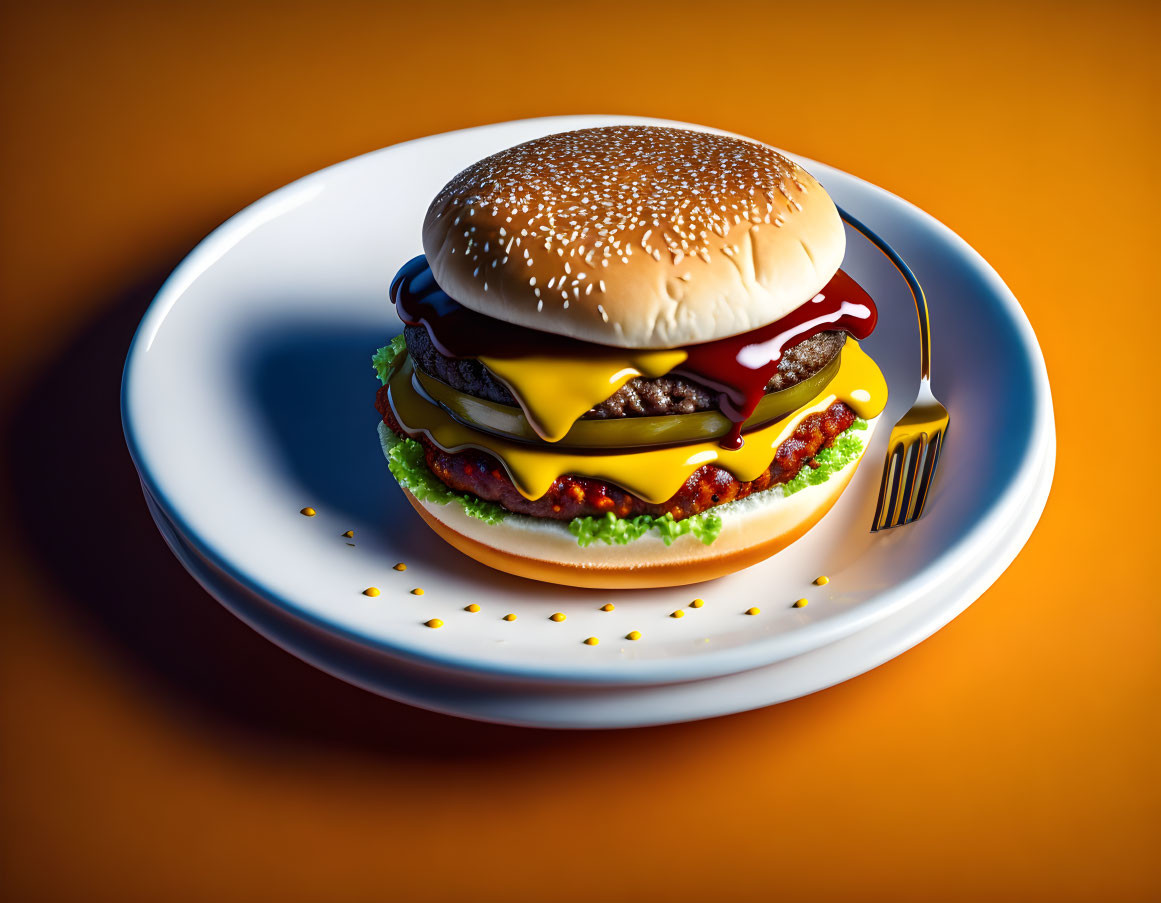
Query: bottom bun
{"type": "Point", "coordinates": [753, 529]}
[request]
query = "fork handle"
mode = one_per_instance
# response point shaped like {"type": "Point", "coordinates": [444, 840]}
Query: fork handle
{"type": "Point", "coordinates": [912, 283]}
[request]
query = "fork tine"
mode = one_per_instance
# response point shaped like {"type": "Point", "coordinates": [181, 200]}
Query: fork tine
{"type": "Point", "coordinates": [898, 491]}
{"type": "Point", "coordinates": [932, 462]}
{"type": "Point", "coordinates": [881, 507]}
{"type": "Point", "coordinates": [892, 483]}
{"type": "Point", "coordinates": [912, 461]}
{"type": "Point", "coordinates": [896, 485]}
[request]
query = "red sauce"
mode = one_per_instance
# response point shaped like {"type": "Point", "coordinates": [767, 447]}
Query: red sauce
{"type": "Point", "coordinates": [738, 367]}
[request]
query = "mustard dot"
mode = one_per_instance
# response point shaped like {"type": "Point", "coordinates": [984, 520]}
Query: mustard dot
{"type": "Point", "coordinates": [678, 614]}
{"type": "Point", "coordinates": [309, 512]}
{"type": "Point", "coordinates": [591, 641]}
{"type": "Point", "coordinates": [821, 581]}
{"type": "Point", "coordinates": [697, 603]}
{"type": "Point", "coordinates": [418, 591]}
{"type": "Point", "coordinates": [608, 606]}
{"type": "Point", "coordinates": [371, 591]}
{"type": "Point", "coordinates": [349, 534]}
{"type": "Point", "coordinates": [633, 635]}
{"type": "Point", "coordinates": [753, 611]}
{"type": "Point", "coordinates": [509, 617]}
{"type": "Point", "coordinates": [473, 607]}
{"type": "Point", "coordinates": [558, 617]}
{"type": "Point", "coordinates": [434, 622]}
{"type": "Point", "coordinates": [802, 603]}
{"type": "Point", "coordinates": [401, 566]}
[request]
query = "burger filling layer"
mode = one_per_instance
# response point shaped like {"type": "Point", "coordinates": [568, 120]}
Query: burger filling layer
{"type": "Point", "coordinates": [620, 497]}
{"type": "Point", "coordinates": [640, 396]}
{"type": "Point", "coordinates": [570, 496]}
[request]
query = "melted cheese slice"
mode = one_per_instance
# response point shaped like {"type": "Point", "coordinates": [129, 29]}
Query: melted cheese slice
{"type": "Point", "coordinates": [654, 475]}
{"type": "Point", "coordinates": [555, 392]}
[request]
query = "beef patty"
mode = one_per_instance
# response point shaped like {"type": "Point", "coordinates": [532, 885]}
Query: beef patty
{"type": "Point", "coordinates": [570, 496]}
{"type": "Point", "coordinates": [640, 397]}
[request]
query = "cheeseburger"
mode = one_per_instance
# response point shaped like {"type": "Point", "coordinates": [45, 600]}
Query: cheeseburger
{"type": "Point", "coordinates": [629, 358]}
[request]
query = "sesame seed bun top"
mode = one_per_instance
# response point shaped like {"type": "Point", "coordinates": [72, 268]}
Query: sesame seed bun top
{"type": "Point", "coordinates": [634, 236]}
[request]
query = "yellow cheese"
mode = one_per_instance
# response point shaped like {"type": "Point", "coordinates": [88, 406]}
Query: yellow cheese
{"type": "Point", "coordinates": [656, 474]}
{"type": "Point", "coordinates": [555, 392]}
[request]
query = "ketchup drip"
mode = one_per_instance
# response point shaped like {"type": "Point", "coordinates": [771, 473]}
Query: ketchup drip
{"type": "Point", "coordinates": [738, 367]}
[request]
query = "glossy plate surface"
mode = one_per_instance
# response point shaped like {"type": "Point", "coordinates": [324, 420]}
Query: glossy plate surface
{"type": "Point", "coordinates": [248, 395]}
{"type": "Point", "coordinates": [598, 706]}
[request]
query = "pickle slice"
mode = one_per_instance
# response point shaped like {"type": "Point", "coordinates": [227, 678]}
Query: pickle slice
{"type": "Point", "coordinates": [622, 432]}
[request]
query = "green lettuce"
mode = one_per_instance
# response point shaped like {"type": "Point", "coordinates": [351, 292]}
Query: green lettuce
{"type": "Point", "coordinates": [611, 529]}
{"type": "Point", "coordinates": [847, 447]}
{"type": "Point", "coordinates": [405, 459]}
{"type": "Point", "coordinates": [384, 359]}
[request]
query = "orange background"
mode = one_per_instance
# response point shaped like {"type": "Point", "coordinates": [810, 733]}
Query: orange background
{"type": "Point", "coordinates": [154, 748]}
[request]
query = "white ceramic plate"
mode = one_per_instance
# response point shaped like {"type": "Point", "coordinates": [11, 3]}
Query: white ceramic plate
{"type": "Point", "coordinates": [248, 395]}
{"type": "Point", "coordinates": [528, 704]}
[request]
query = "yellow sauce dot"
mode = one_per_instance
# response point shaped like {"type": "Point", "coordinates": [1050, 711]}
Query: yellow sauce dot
{"type": "Point", "coordinates": [678, 614]}
{"type": "Point", "coordinates": [753, 611]}
{"type": "Point", "coordinates": [349, 534]}
{"type": "Point", "coordinates": [558, 617]}
{"type": "Point", "coordinates": [821, 581]}
{"type": "Point", "coordinates": [418, 591]}
{"type": "Point", "coordinates": [802, 603]}
{"type": "Point", "coordinates": [473, 607]}
{"type": "Point", "coordinates": [371, 591]}
{"type": "Point", "coordinates": [435, 622]}
{"type": "Point", "coordinates": [309, 512]}
{"type": "Point", "coordinates": [697, 603]}
{"type": "Point", "coordinates": [608, 606]}
{"type": "Point", "coordinates": [401, 566]}
{"type": "Point", "coordinates": [591, 641]}
{"type": "Point", "coordinates": [509, 617]}
{"type": "Point", "coordinates": [633, 635]}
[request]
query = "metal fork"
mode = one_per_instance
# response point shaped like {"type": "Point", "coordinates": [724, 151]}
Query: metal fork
{"type": "Point", "coordinates": [917, 439]}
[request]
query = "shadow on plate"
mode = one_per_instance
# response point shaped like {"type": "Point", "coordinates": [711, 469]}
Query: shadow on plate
{"type": "Point", "coordinates": [312, 384]}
